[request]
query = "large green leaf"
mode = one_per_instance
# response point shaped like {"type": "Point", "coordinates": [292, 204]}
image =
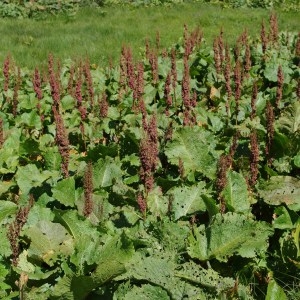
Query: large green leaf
{"type": "Point", "coordinates": [49, 241]}
{"type": "Point", "coordinates": [106, 172]}
{"type": "Point", "coordinates": [146, 292]}
{"type": "Point", "coordinates": [64, 191]}
{"type": "Point", "coordinates": [227, 235]}
{"type": "Point", "coordinates": [195, 147]}
{"type": "Point", "coordinates": [9, 153]}
{"type": "Point", "coordinates": [281, 190]}
{"type": "Point", "coordinates": [236, 192]}
{"type": "Point", "coordinates": [72, 287]}
{"type": "Point", "coordinates": [29, 176]}
{"type": "Point", "coordinates": [187, 200]}
{"type": "Point", "coordinates": [157, 204]}
{"type": "Point", "coordinates": [275, 292]}
{"type": "Point", "coordinates": [5, 250]}
{"type": "Point", "coordinates": [7, 208]}
{"type": "Point", "coordinates": [113, 258]}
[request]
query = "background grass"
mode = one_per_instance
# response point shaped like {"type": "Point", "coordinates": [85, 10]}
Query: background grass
{"type": "Point", "coordinates": [100, 33]}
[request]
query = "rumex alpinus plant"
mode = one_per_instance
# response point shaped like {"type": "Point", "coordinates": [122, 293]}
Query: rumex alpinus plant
{"type": "Point", "coordinates": [1, 133]}
{"type": "Point", "coordinates": [220, 191]}
{"type": "Point", "coordinates": [88, 190]}
{"type": "Point", "coordinates": [16, 92]}
{"type": "Point", "coordinates": [149, 154]}
{"type": "Point", "coordinates": [14, 229]}
{"type": "Point", "coordinates": [37, 86]}
{"type": "Point", "coordinates": [270, 118]}
{"type": "Point", "coordinates": [6, 69]}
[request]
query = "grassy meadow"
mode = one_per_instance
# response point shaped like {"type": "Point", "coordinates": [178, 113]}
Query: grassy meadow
{"type": "Point", "coordinates": [100, 33]}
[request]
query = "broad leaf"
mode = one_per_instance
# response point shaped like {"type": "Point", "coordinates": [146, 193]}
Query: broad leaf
{"type": "Point", "coordinates": [29, 176]}
{"type": "Point", "coordinates": [236, 192]}
{"type": "Point", "coordinates": [195, 147]}
{"type": "Point", "coordinates": [157, 204]}
{"type": "Point", "coordinates": [48, 241]}
{"type": "Point", "coordinates": [105, 172]}
{"type": "Point", "coordinates": [187, 200]}
{"type": "Point", "coordinates": [146, 291]}
{"type": "Point", "coordinates": [64, 191]}
{"type": "Point", "coordinates": [281, 190]}
{"type": "Point", "coordinates": [275, 292]}
{"type": "Point", "coordinates": [7, 209]}
{"type": "Point", "coordinates": [227, 235]}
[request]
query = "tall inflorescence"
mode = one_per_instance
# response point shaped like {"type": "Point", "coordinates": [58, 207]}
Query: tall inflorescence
{"type": "Point", "coordinates": [253, 100]}
{"type": "Point", "coordinates": [221, 46]}
{"type": "Point", "coordinates": [263, 38]}
{"type": "Point", "coordinates": [78, 96]}
{"type": "Point", "coordinates": [153, 60]}
{"type": "Point", "coordinates": [297, 54]}
{"type": "Point", "coordinates": [103, 105]}
{"type": "Point", "coordinates": [130, 76]}
{"type": "Point", "coordinates": [14, 230]}
{"type": "Point", "coordinates": [89, 83]}
{"type": "Point", "coordinates": [142, 203]}
{"type": "Point", "coordinates": [238, 84]}
{"type": "Point", "coordinates": [247, 61]}
{"type": "Point", "coordinates": [217, 59]}
{"type": "Point", "coordinates": [149, 154]}
{"type": "Point", "coordinates": [227, 76]}
{"type": "Point", "coordinates": [6, 66]}
{"type": "Point", "coordinates": [254, 158]}
{"type": "Point", "coordinates": [139, 86]}
{"type": "Point", "coordinates": [280, 81]}
{"type": "Point", "coordinates": [88, 190]}
{"type": "Point", "coordinates": [270, 118]}
{"type": "Point", "coordinates": [53, 80]}
{"type": "Point", "coordinates": [224, 163]}
{"type": "Point", "coordinates": [37, 86]}
{"type": "Point", "coordinates": [1, 133]}
{"type": "Point", "coordinates": [123, 73]}
{"type": "Point", "coordinates": [273, 29]}
{"type": "Point", "coordinates": [173, 72]}
{"type": "Point", "coordinates": [70, 87]}
{"type": "Point", "coordinates": [62, 141]}
{"type": "Point", "coordinates": [16, 91]}
{"type": "Point", "coordinates": [167, 93]}
{"type": "Point", "coordinates": [185, 92]}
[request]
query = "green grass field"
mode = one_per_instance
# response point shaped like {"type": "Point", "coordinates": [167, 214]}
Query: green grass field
{"type": "Point", "coordinates": [99, 34]}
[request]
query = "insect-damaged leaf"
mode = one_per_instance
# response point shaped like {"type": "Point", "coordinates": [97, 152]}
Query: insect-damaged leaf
{"type": "Point", "coordinates": [227, 235]}
{"type": "Point", "coordinates": [187, 200]}
{"type": "Point", "coordinates": [281, 190]}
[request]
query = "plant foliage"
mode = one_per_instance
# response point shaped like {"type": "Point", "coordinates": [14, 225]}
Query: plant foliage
{"type": "Point", "coordinates": [175, 177]}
